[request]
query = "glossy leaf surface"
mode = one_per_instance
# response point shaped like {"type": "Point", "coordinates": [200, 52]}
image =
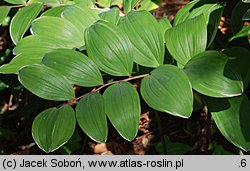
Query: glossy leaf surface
{"type": "Point", "coordinates": [145, 34]}
{"type": "Point", "coordinates": [76, 67]}
{"type": "Point", "coordinates": [187, 39]}
{"type": "Point", "coordinates": [231, 116]}
{"type": "Point", "coordinates": [240, 59]}
{"type": "Point", "coordinates": [46, 83]}
{"type": "Point", "coordinates": [22, 20]}
{"type": "Point", "coordinates": [244, 32]}
{"type": "Point", "coordinates": [211, 75]}
{"type": "Point", "coordinates": [81, 17]}
{"type": "Point", "coordinates": [128, 5]}
{"type": "Point", "coordinates": [112, 15]}
{"type": "Point", "coordinates": [58, 29]}
{"type": "Point", "coordinates": [90, 114]}
{"type": "Point", "coordinates": [168, 89]}
{"type": "Point", "coordinates": [110, 48]}
{"type": "Point", "coordinates": [122, 106]}
{"type": "Point", "coordinates": [53, 127]}
{"type": "Point", "coordinates": [3, 13]}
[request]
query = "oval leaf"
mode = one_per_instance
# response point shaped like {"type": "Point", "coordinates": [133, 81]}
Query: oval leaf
{"type": "Point", "coordinates": [183, 14]}
{"type": "Point", "coordinates": [46, 83]}
{"type": "Point", "coordinates": [19, 61]}
{"type": "Point", "coordinates": [237, 14]}
{"type": "Point", "coordinates": [112, 15]}
{"type": "Point", "coordinates": [58, 29]}
{"type": "Point", "coordinates": [22, 20]}
{"type": "Point", "coordinates": [31, 50]}
{"type": "Point", "coordinates": [165, 24]}
{"type": "Point", "coordinates": [244, 32]}
{"type": "Point", "coordinates": [104, 3]}
{"type": "Point", "coordinates": [110, 48]}
{"type": "Point", "coordinates": [196, 8]}
{"type": "Point", "coordinates": [148, 5]}
{"type": "Point", "coordinates": [241, 61]}
{"type": "Point", "coordinates": [128, 5]}
{"type": "Point", "coordinates": [53, 127]}
{"type": "Point", "coordinates": [187, 39]}
{"type": "Point", "coordinates": [90, 115]}
{"type": "Point", "coordinates": [168, 89]}
{"type": "Point", "coordinates": [76, 67]}
{"type": "Point", "coordinates": [231, 116]}
{"type": "Point", "coordinates": [82, 17]}
{"type": "Point", "coordinates": [54, 11]}
{"type": "Point", "coordinates": [3, 13]}
{"type": "Point", "coordinates": [122, 105]}
{"type": "Point", "coordinates": [145, 34]}
{"type": "Point", "coordinates": [37, 43]}
{"type": "Point", "coordinates": [210, 75]}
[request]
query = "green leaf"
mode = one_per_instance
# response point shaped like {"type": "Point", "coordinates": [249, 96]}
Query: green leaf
{"type": "Point", "coordinates": [246, 16]}
{"type": "Point", "coordinates": [31, 50]}
{"type": "Point", "coordinates": [213, 24]}
{"type": "Point", "coordinates": [3, 85]}
{"type": "Point", "coordinates": [16, 1]}
{"type": "Point", "coordinates": [81, 17]}
{"type": "Point", "coordinates": [246, 1]}
{"type": "Point", "coordinates": [128, 5]}
{"type": "Point", "coordinates": [231, 116]}
{"type": "Point", "coordinates": [196, 8]}
{"type": "Point", "coordinates": [145, 34]}
{"type": "Point", "coordinates": [84, 3]}
{"type": "Point", "coordinates": [19, 61]}
{"type": "Point", "coordinates": [165, 24]}
{"type": "Point", "coordinates": [104, 3]}
{"type": "Point", "coordinates": [49, 2]}
{"type": "Point", "coordinates": [116, 2]}
{"type": "Point", "coordinates": [58, 29]}
{"type": "Point", "coordinates": [54, 11]}
{"type": "Point", "coordinates": [4, 11]}
{"type": "Point", "coordinates": [110, 48]}
{"type": "Point", "coordinates": [172, 148]}
{"type": "Point", "coordinates": [168, 89]}
{"type": "Point", "coordinates": [187, 39]}
{"type": "Point", "coordinates": [219, 150]}
{"type": "Point", "coordinates": [46, 83]}
{"type": "Point", "coordinates": [183, 14]}
{"type": "Point", "coordinates": [245, 31]}
{"type": "Point", "coordinates": [39, 44]}
{"type": "Point", "coordinates": [22, 20]}
{"type": "Point", "coordinates": [91, 117]}
{"type": "Point", "coordinates": [76, 67]}
{"type": "Point", "coordinates": [148, 5]}
{"type": "Point", "coordinates": [211, 75]}
{"type": "Point", "coordinates": [211, 9]}
{"type": "Point", "coordinates": [53, 127]}
{"type": "Point", "coordinates": [240, 60]}
{"type": "Point", "coordinates": [237, 14]}
{"type": "Point", "coordinates": [112, 15]}
{"type": "Point", "coordinates": [122, 106]}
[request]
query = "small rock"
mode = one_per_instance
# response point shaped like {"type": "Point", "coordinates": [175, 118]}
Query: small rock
{"type": "Point", "coordinates": [100, 148]}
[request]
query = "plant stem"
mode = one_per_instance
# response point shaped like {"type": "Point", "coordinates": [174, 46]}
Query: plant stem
{"type": "Point", "coordinates": [161, 132]}
{"type": "Point", "coordinates": [73, 101]}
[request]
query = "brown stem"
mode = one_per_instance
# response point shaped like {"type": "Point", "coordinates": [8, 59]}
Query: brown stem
{"type": "Point", "coordinates": [73, 101]}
